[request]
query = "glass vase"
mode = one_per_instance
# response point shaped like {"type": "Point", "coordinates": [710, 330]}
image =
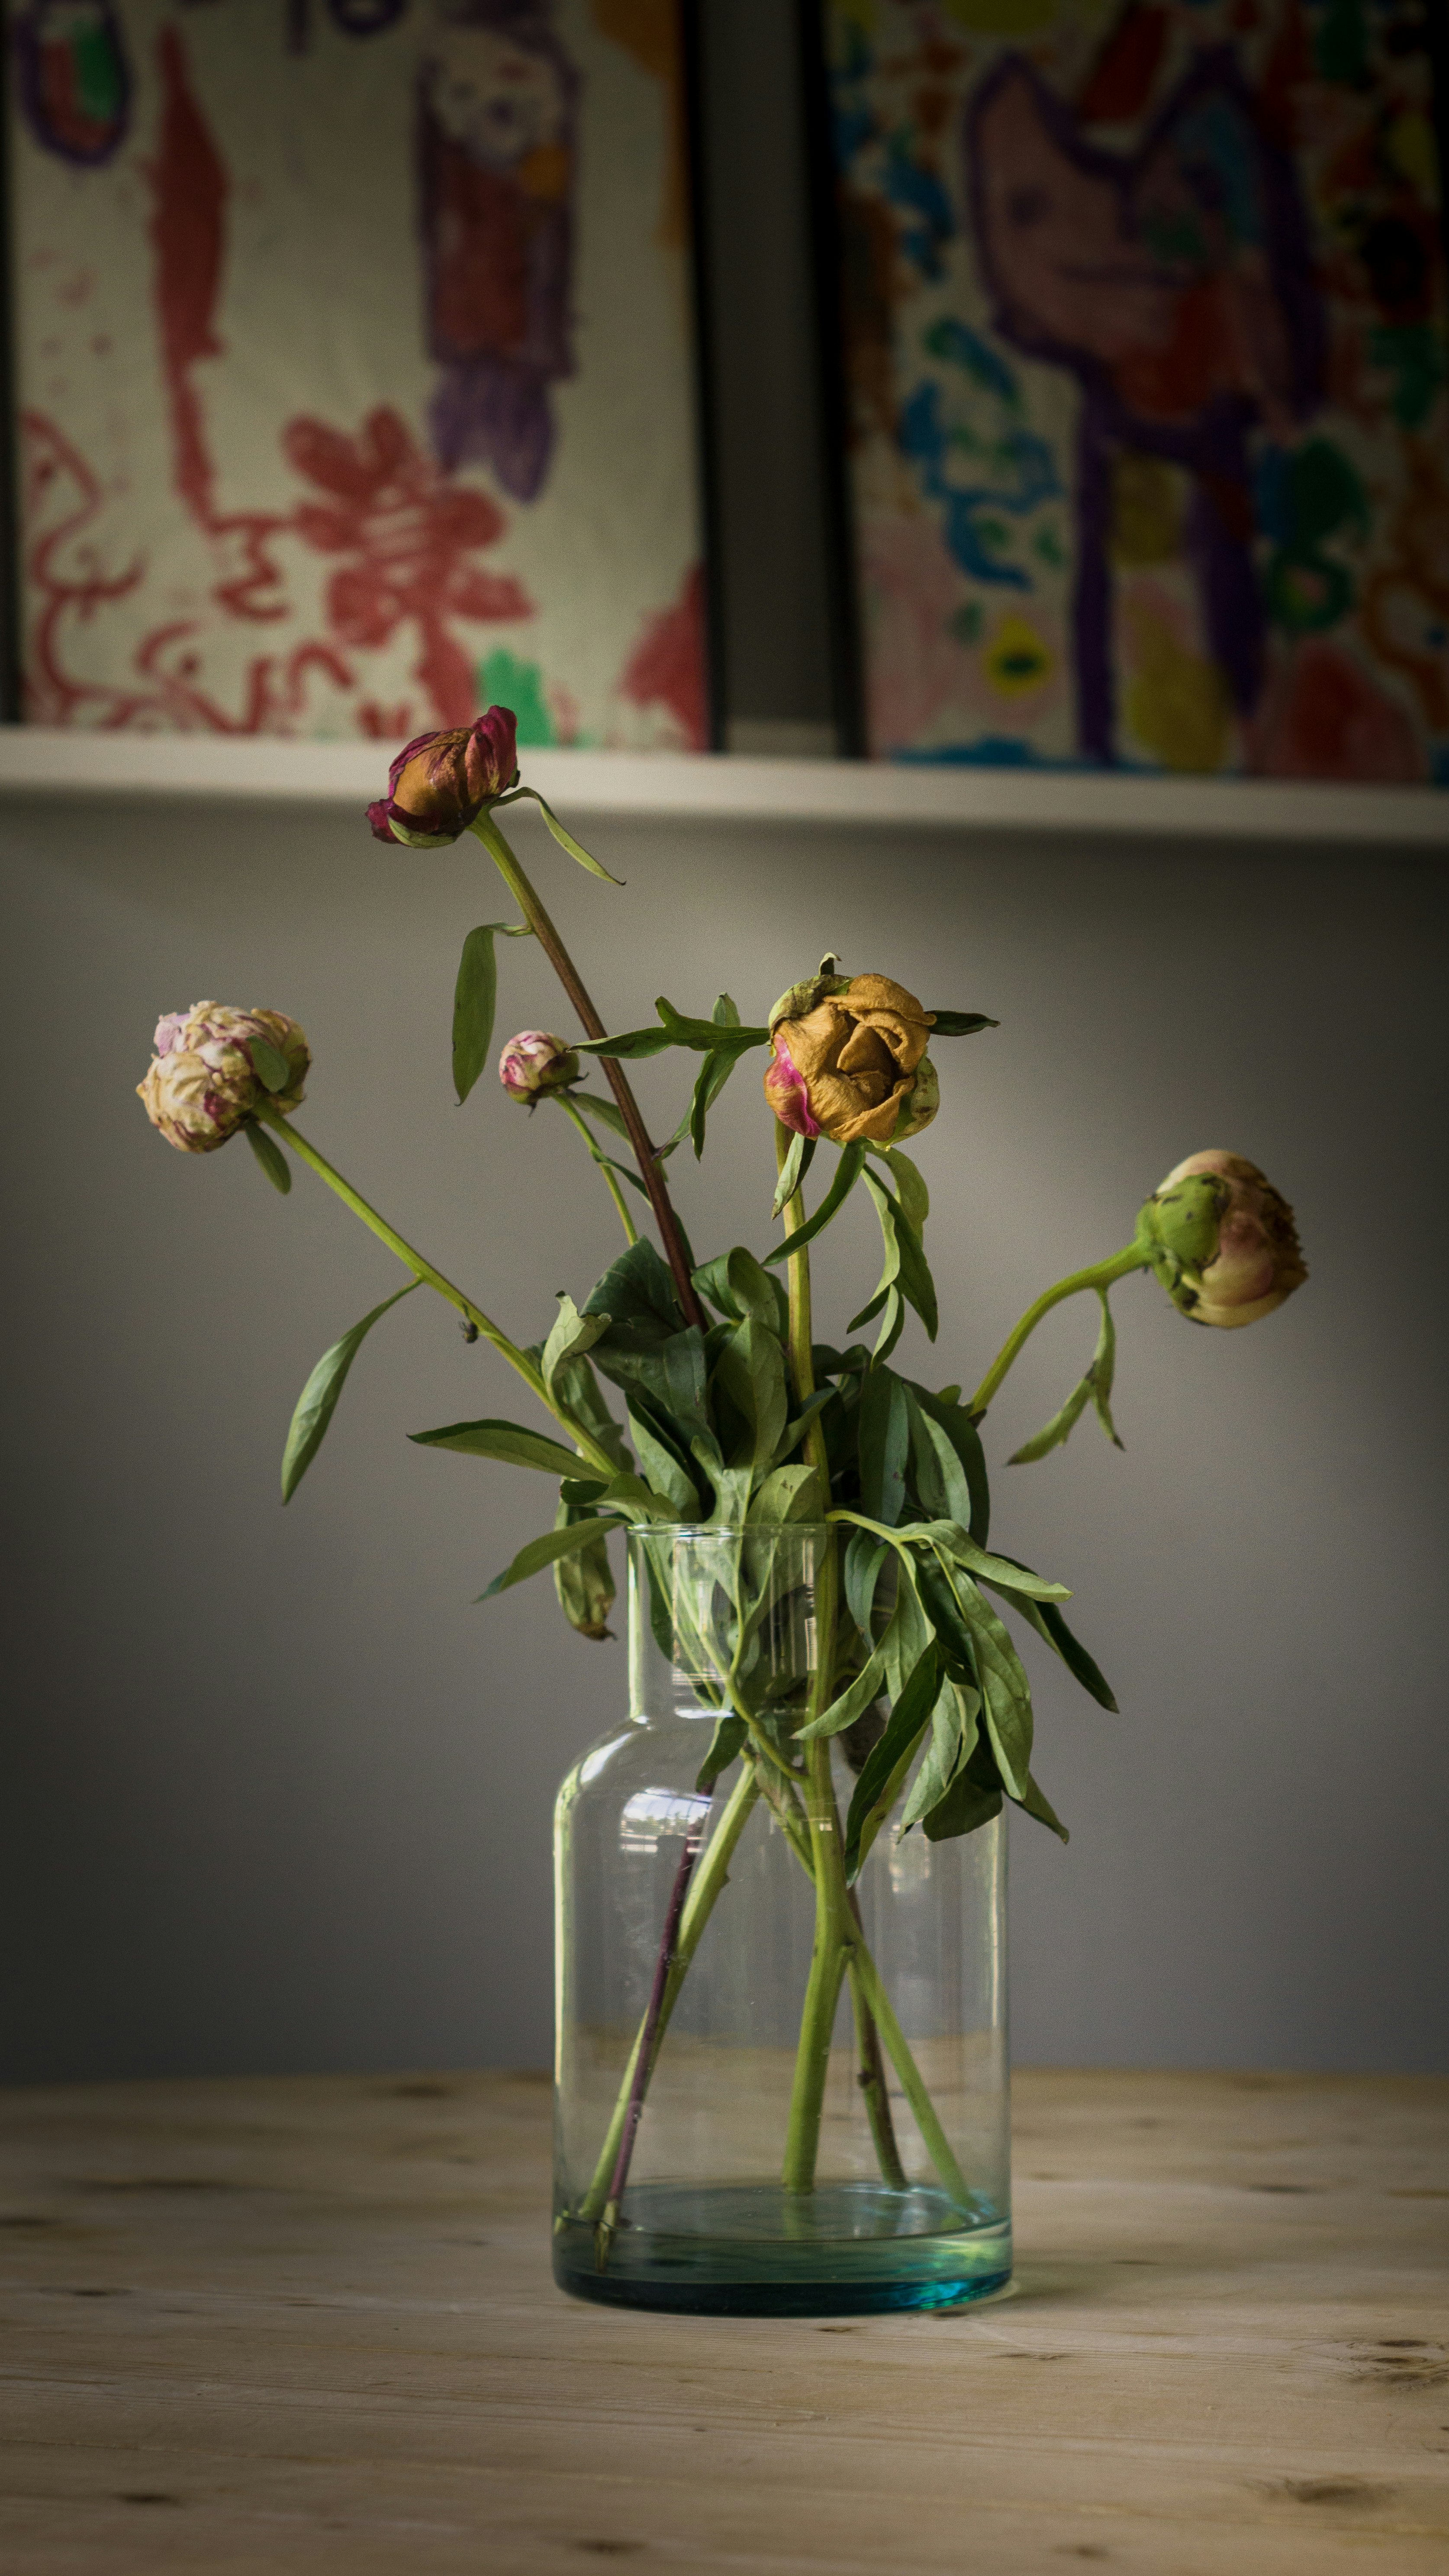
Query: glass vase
{"type": "Point", "coordinates": [781, 2087]}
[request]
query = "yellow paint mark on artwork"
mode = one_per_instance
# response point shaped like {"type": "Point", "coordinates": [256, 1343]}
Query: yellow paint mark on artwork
{"type": "Point", "coordinates": [1175, 701]}
{"type": "Point", "coordinates": [1004, 17]}
{"type": "Point", "coordinates": [1146, 511]}
{"type": "Point", "coordinates": [1413, 150]}
{"type": "Point", "coordinates": [1016, 659]}
{"type": "Point", "coordinates": [857, 15]}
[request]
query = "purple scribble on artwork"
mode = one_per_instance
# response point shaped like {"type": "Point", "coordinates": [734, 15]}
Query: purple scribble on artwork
{"type": "Point", "coordinates": [497, 114]}
{"type": "Point", "coordinates": [1176, 283]}
{"type": "Point", "coordinates": [74, 79]}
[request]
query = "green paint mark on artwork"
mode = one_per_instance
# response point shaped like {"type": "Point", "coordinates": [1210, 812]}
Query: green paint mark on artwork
{"type": "Point", "coordinates": [967, 623]}
{"type": "Point", "coordinates": [505, 681]}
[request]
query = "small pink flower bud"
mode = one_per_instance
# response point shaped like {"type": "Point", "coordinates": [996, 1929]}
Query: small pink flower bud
{"type": "Point", "coordinates": [203, 1083]}
{"type": "Point", "coordinates": [440, 782]}
{"type": "Point", "coordinates": [534, 1063]}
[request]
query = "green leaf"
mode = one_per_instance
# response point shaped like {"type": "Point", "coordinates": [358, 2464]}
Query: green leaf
{"type": "Point", "coordinates": [792, 1171]}
{"type": "Point", "coordinates": [937, 1473]}
{"type": "Point", "coordinates": [713, 1074]}
{"type": "Point", "coordinates": [883, 1438]}
{"type": "Point", "coordinates": [1095, 1388]}
{"type": "Point", "coordinates": [577, 1389]}
{"type": "Point", "coordinates": [887, 1763]}
{"type": "Point", "coordinates": [961, 1024]}
{"type": "Point", "coordinates": [544, 1551]}
{"type": "Point", "coordinates": [269, 1064]}
{"type": "Point", "coordinates": [474, 997]}
{"type": "Point", "coordinates": [911, 1270]}
{"type": "Point", "coordinates": [270, 1155]}
{"type": "Point", "coordinates": [607, 1112]}
{"type": "Point", "coordinates": [864, 1558]}
{"type": "Point", "coordinates": [318, 1400]}
{"type": "Point", "coordinates": [910, 1184]}
{"type": "Point", "coordinates": [751, 1372]}
{"type": "Point", "coordinates": [852, 1164]}
{"type": "Point", "coordinates": [631, 1496]}
{"type": "Point", "coordinates": [704, 1035]}
{"type": "Point", "coordinates": [637, 1294]}
{"type": "Point", "coordinates": [1034, 1802]}
{"type": "Point", "coordinates": [564, 839]}
{"type": "Point", "coordinates": [508, 1441]}
{"type": "Point", "coordinates": [953, 1738]}
{"type": "Point", "coordinates": [966, 1806]}
{"type": "Point", "coordinates": [788, 1494]}
{"type": "Point", "coordinates": [572, 1335]}
{"type": "Point", "coordinates": [728, 1743]}
{"type": "Point", "coordinates": [1049, 1624]}
{"type": "Point", "coordinates": [796, 1428]}
{"type": "Point", "coordinates": [965, 1439]}
{"type": "Point", "coordinates": [737, 1285]}
{"type": "Point", "coordinates": [584, 1579]}
{"type": "Point", "coordinates": [627, 1045]}
{"type": "Point", "coordinates": [663, 1466]}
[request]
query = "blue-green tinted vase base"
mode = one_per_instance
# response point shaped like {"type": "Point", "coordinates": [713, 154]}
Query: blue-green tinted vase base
{"type": "Point", "coordinates": [845, 2249]}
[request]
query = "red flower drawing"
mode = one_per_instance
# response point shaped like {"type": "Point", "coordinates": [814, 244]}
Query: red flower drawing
{"type": "Point", "coordinates": [407, 532]}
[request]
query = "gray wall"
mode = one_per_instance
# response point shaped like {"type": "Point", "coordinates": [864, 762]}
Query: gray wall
{"type": "Point", "coordinates": [277, 1796]}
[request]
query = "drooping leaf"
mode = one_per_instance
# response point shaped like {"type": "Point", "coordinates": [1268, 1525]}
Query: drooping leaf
{"type": "Point", "coordinates": [864, 1558]}
{"type": "Point", "coordinates": [269, 1064]}
{"type": "Point", "coordinates": [906, 1263]}
{"type": "Point", "coordinates": [885, 1766]}
{"type": "Point", "coordinates": [577, 1389]}
{"type": "Point", "coordinates": [727, 1743]}
{"type": "Point", "coordinates": [848, 1172]}
{"type": "Point", "coordinates": [796, 1428]}
{"type": "Point", "coordinates": [510, 1442]}
{"type": "Point", "coordinates": [637, 1294]}
{"type": "Point", "coordinates": [584, 1578]}
{"type": "Point", "coordinates": [714, 1073]}
{"type": "Point", "coordinates": [605, 1113]}
{"type": "Point", "coordinates": [318, 1400]}
{"type": "Point", "coordinates": [751, 1373]}
{"type": "Point", "coordinates": [630, 1496]}
{"type": "Point", "coordinates": [1049, 1624]}
{"type": "Point", "coordinates": [737, 1285]}
{"type": "Point", "coordinates": [910, 1183]}
{"type": "Point", "coordinates": [792, 1171]}
{"type": "Point", "coordinates": [662, 1464]}
{"type": "Point", "coordinates": [1095, 1388]}
{"type": "Point", "coordinates": [953, 1738]}
{"type": "Point", "coordinates": [965, 1439]}
{"type": "Point", "coordinates": [474, 998]}
{"type": "Point", "coordinates": [966, 1806]}
{"type": "Point", "coordinates": [543, 1551]}
{"type": "Point", "coordinates": [564, 839]}
{"type": "Point", "coordinates": [270, 1155]}
{"type": "Point", "coordinates": [1034, 1802]}
{"type": "Point", "coordinates": [788, 1494]}
{"type": "Point", "coordinates": [883, 1439]}
{"type": "Point", "coordinates": [961, 1024]}
{"type": "Point", "coordinates": [573, 1334]}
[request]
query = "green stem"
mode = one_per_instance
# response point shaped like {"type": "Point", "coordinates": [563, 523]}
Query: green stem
{"type": "Point", "coordinates": [938, 2145]}
{"type": "Point", "coordinates": [1100, 1275]}
{"type": "Point", "coordinates": [568, 974]}
{"type": "Point", "coordinates": [870, 2071]}
{"type": "Point", "coordinates": [611, 1183]}
{"type": "Point", "coordinates": [709, 1883]}
{"type": "Point", "coordinates": [423, 1269]}
{"type": "Point", "coordinates": [834, 1927]}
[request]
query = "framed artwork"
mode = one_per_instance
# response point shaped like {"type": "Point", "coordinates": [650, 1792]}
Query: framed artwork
{"type": "Point", "coordinates": [354, 367]}
{"type": "Point", "coordinates": [1145, 381]}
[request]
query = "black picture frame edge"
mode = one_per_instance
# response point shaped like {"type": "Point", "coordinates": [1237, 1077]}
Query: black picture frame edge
{"type": "Point", "coordinates": [847, 661]}
{"type": "Point", "coordinates": [706, 432]}
{"type": "Point", "coordinates": [11, 673]}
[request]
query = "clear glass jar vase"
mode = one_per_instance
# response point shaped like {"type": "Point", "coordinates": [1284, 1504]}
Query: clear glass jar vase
{"type": "Point", "coordinates": [781, 2088]}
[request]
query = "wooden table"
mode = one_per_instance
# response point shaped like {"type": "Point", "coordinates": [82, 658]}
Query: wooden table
{"type": "Point", "coordinates": [309, 2325]}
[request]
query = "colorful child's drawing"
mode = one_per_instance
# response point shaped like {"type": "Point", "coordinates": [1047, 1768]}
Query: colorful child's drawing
{"type": "Point", "coordinates": [355, 367]}
{"type": "Point", "coordinates": [1147, 347]}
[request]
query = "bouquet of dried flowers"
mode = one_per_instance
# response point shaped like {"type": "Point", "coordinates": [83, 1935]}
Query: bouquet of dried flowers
{"type": "Point", "coordinates": [694, 1394]}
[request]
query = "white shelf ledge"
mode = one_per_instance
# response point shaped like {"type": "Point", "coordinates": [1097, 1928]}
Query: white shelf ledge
{"type": "Point", "coordinates": [37, 761]}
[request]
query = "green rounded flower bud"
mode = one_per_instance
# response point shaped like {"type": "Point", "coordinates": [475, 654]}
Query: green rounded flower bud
{"type": "Point", "coordinates": [1222, 1240]}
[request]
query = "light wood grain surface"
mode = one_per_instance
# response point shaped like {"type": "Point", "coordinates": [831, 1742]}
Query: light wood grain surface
{"type": "Point", "coordinates": [308, 2325]}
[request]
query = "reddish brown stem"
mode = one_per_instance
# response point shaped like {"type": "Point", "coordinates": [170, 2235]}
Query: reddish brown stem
{"type": "Point", "coordinates": [573, 984]}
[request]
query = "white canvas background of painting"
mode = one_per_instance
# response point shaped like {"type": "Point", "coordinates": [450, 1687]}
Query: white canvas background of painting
{"type": "Point", "coordinates": [321, 312]}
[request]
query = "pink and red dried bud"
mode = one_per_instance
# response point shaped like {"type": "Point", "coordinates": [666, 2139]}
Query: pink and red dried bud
{"type": "Point", "coordinates": [203, 1083]}
{"type": "Point", "coordinates": [441, 782]}
{"type": "Point", "coordinates": [1231, 1245]}
{"type": "Point", "coordinates": [535, 1063]}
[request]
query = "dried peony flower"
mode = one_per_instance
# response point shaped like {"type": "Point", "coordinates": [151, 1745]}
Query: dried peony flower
{"type": "Point", "coordinates": [534, 1063]}
{"type": "Point", "coordinates": [211, 1066]}
{"type": "Point", "coordinates": [850, 1061]}
{"type": "Point", "coordinates": [440, 782]}
{"type": "Point", "coordinates": [1227, 1245]}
